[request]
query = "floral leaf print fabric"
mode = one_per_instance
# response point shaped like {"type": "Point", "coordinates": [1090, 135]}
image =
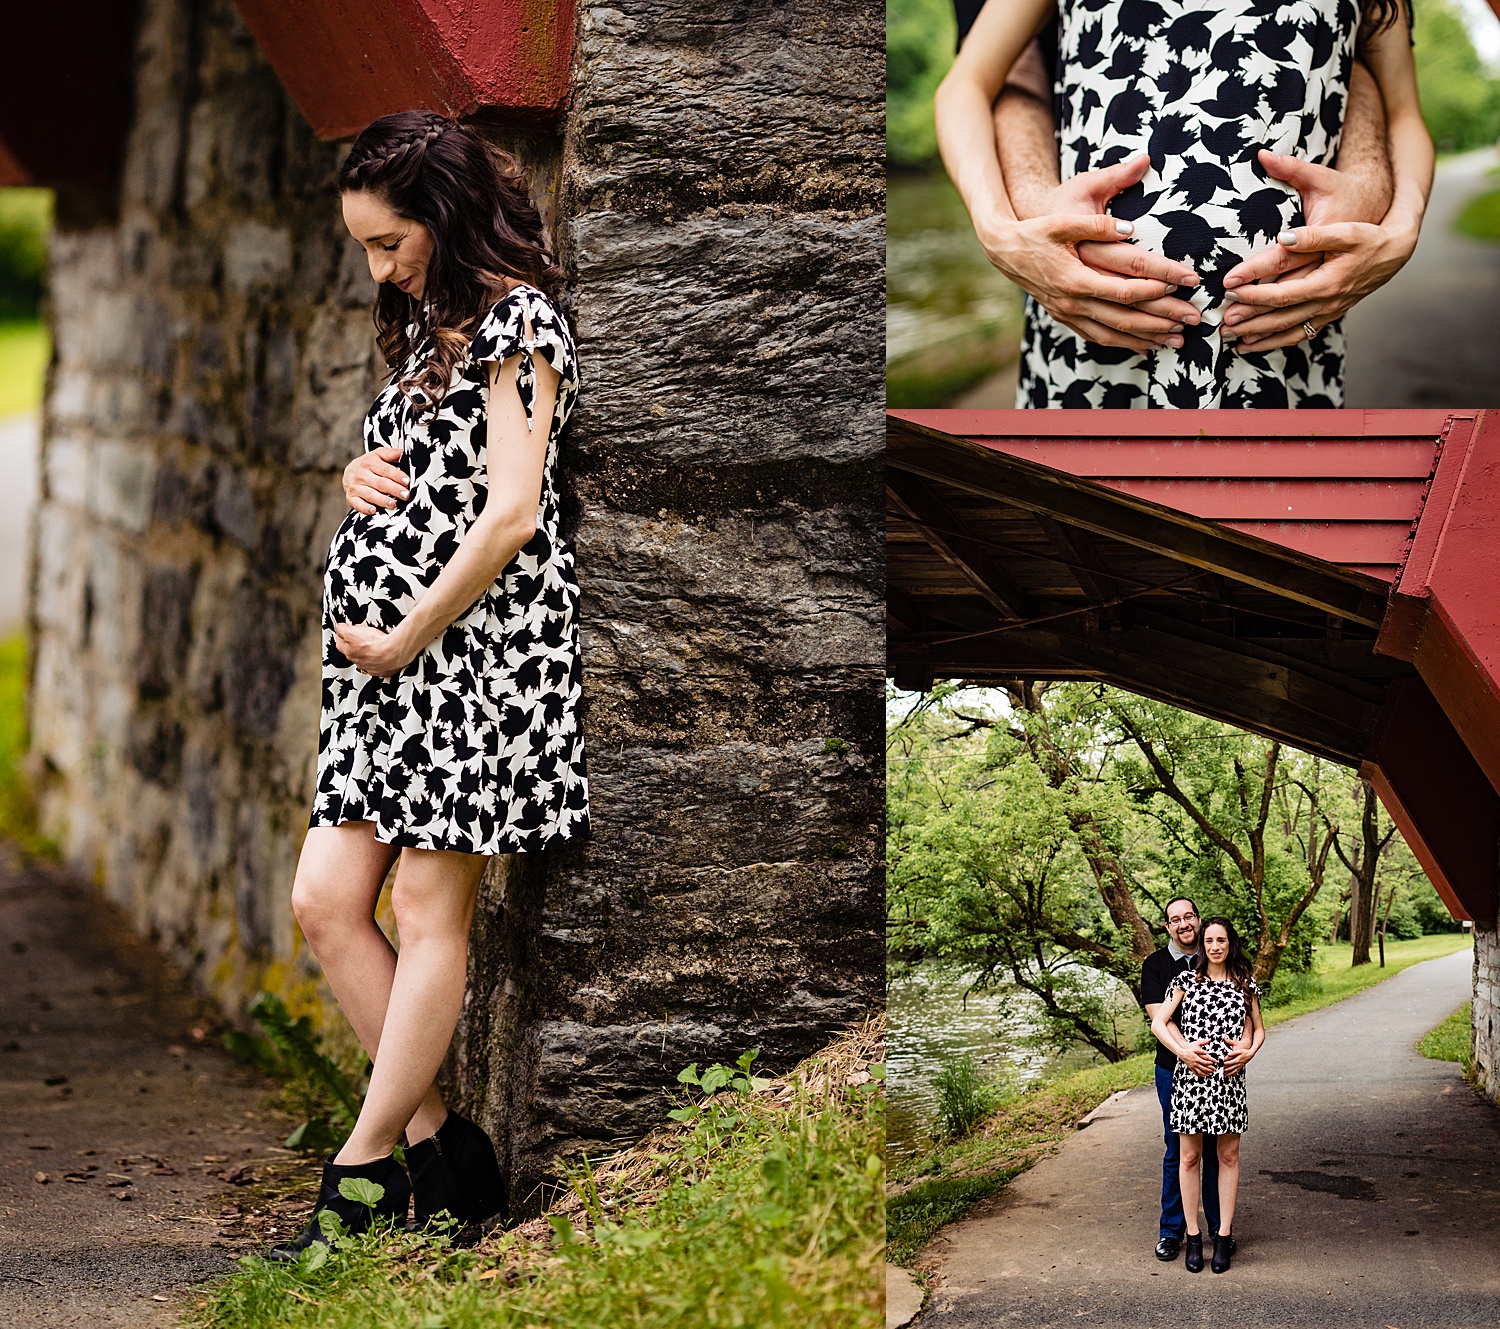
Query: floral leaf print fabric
{"type": "Point", "coordinates": [1202, 85]}
{"type": "Point", "coordinates": [1215, 1010]}
{"type": "Point", "coordinates": [475, 745]}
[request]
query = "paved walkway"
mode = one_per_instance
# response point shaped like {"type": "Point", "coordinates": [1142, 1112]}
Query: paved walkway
{"type": "Point", "coordinates": [20, 437]}
{"type": "Point", "coordinates": [1428, 336]}
{"type": "Point", "coordinates": [1370, 1195]}
{"type": "Point", "coordinates": [133, 1122]}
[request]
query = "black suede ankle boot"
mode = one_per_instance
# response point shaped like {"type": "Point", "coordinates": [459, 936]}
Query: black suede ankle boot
{"type": "Point", "coordinates": [384, 1172]}
{"type": "Point", "coordinates": [456, 1172]}
{"type": "Point", "coordinates": [1194, 1259]}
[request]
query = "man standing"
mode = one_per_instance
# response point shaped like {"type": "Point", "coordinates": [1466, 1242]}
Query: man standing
{"type": "Point", "coordinates": [1159, 970]}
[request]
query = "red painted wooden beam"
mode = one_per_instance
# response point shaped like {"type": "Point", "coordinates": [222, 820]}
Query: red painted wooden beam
{"type": "Point", "coordinates": [1435, 791]}
{"type": "Point", "coordinates": [1341, 486]}
{"type": "Point", "coordinates": [1445, 612]}
{"type": "Point", "coordinates": [345, 63]}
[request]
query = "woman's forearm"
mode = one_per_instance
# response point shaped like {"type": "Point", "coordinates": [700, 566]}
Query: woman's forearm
{"type": "Point", "coordinates": [482, 555]}
{"type": "Point", "coordinates": [1412, 160]}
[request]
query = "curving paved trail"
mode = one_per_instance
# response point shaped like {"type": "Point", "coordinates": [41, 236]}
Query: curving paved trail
{"type": "Point", "coordinates": [1428, 337]}
{"type": "Point", "coordinates": [1370, 1195]}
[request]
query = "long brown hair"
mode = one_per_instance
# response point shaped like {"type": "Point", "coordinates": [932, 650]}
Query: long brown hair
{"type": "Point", "coordinates": [1236, 963]}
{"type": "Point", "coordinates": [473, 199]}
{"type": "Point", "coordinates": [1376, 16]}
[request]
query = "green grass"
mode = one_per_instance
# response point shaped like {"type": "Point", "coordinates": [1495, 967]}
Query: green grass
{"type": "Point", "coordinates": [25, 349]}
{"type": "Point", "coordinates": [17, 809]}
{"type": "Point", "coordinates": [1450, 1041]}
{"type": "Point", "coordinates": [1481, 217]}
{"type": "Point", "coordinates": [940, 1187]}
{"type": "Point", "coordinates": [758, 1210]}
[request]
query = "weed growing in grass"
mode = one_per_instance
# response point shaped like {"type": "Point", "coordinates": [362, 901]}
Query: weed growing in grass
{"type": "Point", "coordinates": [965, 1097]}
{"type": "Point", "coordinates": [763, 1207]}
{"type": "Point", "coordinates": [1453, 1040]}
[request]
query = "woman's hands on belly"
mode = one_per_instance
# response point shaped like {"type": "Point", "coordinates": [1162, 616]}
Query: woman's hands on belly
{"type": "Point", "coordinates": [372, 650]}
{"type": "Point", "coordinates": [373, 480]}
{"type": "Point", "coordinates": [1338, 258]}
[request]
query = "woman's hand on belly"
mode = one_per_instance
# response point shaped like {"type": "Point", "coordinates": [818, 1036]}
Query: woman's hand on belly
{"type": "Point", "coordinates": [1071, 258]}
{"type": "Point", "coordinates": [372, 651]}
{"type": "Point", "coordinates": [1336, 260]}
{"type": "Point", "coordinates": [373, 480]}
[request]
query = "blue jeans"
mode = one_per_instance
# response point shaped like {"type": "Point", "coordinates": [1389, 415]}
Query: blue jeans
{"type": "Point", "coordinates": [1173, 1224]}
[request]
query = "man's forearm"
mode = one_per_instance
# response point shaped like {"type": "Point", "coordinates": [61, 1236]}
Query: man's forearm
{"type": "Point", "coordinates": [1026, 135]}
{"type": "Point", "coordinates": [1364, 148]}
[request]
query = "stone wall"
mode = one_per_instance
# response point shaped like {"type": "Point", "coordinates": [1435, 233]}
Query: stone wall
{"type": "Point", "coordinates": [716, 195]}
{"type": "Point", "coordinates": [1487, 1010]}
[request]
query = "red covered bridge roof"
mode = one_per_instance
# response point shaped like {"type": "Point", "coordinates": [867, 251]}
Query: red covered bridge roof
{"type": "Point", "coordinates": [1342, 486]}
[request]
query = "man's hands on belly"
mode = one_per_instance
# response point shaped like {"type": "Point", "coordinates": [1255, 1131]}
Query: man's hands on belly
{"type": "Point", "coordinates": [1070, 255]}
{"type": "Point", "coordinates": [1331, 264]}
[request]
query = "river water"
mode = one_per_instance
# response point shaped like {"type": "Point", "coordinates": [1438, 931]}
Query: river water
{"type": "Point", "coordinates": [931, 1021]}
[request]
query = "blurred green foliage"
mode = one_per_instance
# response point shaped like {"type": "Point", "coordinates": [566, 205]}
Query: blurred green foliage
{"type": "Point", "coordinates": [919, 41]}
{"type": "Point", "coordinates": [1460, 97]}
{"type": "Point", "coordinates": [25, 219]}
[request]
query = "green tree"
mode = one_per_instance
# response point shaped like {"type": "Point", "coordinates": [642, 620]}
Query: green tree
{"type": "Point", "coordinates": [920, 36]}
{"type": "Point", "coordinates": [1460, 97]}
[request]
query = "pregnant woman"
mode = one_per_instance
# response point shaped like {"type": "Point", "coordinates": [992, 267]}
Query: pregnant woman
{"type": "Point", "coordinates": [450, 645]}
{"type": "Point", "coordinates": [1196, 125]}
{"type": "Point", "coordinates": [1220, 1031]}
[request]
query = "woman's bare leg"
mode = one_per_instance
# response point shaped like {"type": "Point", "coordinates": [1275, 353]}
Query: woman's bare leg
{"type": "Point", "coordinates": [433, 900]}
{"type": "Point", "coordinates": [339, 875]}
{"type": "Point", "coordinates": [1229, 1181]}
{"type": "Point", "coordinates": [1190, 1147]}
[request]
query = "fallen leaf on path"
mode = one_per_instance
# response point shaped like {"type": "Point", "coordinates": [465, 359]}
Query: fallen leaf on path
{"type": "Point", "coordinates": [39, 1146]}
{"type": "Point", "coordinates": [40, 1177]}
{"type": "Point", "coordinates": [55, 1079]}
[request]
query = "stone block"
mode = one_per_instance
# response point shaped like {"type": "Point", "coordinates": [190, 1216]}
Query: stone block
{"type": "Point", "coordinates": [66, 463]}
{"type": "Point", "coordinates": [122, 487]}
{"type": "Point", "coordinates": [256, 255]}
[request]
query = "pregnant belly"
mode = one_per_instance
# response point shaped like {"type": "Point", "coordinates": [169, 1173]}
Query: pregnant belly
{"type": "Point", "coordinates": [377, 569]}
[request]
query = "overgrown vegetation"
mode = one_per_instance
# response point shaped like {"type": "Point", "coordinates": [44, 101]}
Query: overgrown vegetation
{"type": "Point", "coordinates": [25, 219]}
{"type": "Point", "coordinates": [965, 1097]}
{"type": "Point", "coordinates": [1460, 96]}
{"type": "Point", "coordinates": [1453, 1040]}
{"type": "Point", "coordinates": [761, 1204]}
{"type": "Point", "coordinates": [18, 819]}
{"type": "Point", "coordinates": [942, 1185]}
{"type": "Point", "coordinates": [314, 1088]}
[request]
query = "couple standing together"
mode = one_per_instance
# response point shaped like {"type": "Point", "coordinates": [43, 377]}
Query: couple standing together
{"type": "Point", "coordinates": [1205, 1012]}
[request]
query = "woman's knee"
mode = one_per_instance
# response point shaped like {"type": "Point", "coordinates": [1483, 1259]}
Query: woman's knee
{"type": "Point", "coordinates": [435, 898]}
{"type": "Point", "coordinates": [1229, 1150]}
{"type": "Point", "coordinates": [1191, 1148]}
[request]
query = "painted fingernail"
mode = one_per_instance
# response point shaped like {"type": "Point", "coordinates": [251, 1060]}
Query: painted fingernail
{"type": "Point", "coordinates": [1123, 227]}
{"type": "Point", "coordinates": [1177, 327]}
{"type": "Point", "coordinates": [1287, 238]}
{"type": "Point", "coordinates": [1175, 342]}
{"type": "Point", "coordinates": [1225, 335]}
{"type": "Point", "coordinates": [1231, 282]}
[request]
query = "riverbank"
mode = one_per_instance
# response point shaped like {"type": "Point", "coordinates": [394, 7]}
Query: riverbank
{"type": "Point", "coordinates": [934, 1189]}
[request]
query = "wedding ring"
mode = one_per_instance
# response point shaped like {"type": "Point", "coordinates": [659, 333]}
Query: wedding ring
{"type": "Point", "coordinates": [1310, 330]}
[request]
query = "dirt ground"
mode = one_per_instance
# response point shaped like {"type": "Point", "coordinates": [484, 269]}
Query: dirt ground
{"type": "Point", "coordinates": [137, 1158]}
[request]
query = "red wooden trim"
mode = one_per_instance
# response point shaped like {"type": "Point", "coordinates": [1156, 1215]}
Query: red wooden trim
{"type": "Point", "coordinates": [1176, 424]}
{"type": "Point", "coordinates": [1407, 457]}
{"type": "Point", "coordinates": [346, 64]}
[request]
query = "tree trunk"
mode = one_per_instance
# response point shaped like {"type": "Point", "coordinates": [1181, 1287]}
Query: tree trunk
{"type": "Point", "coordinates": [1362, 878]}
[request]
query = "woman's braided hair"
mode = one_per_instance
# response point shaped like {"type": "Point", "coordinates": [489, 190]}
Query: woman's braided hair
{"type": "Point", "coordinates": [473, 200]}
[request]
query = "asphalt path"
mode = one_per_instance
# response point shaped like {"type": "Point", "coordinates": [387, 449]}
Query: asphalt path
{"type": "Point", "coordinates": [1369, 1195]}
{"type": "Point", "coordinates": [1429, 336]}
{"type": "Point", "coordinates": [127, 1137]}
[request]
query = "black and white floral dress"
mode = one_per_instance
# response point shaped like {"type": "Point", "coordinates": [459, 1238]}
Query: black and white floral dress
{"type": "Point", "coordinates": [1202, 85]}
{"type": "Point", "coordinates": [1216, 1010]}
{"type": "Point", "coordinates": [475, 745]}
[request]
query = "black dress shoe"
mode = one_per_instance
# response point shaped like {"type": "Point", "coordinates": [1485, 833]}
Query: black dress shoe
{"type": "Point", "coordinates": [1167, 1248]}
{"type": "Point", "coordinates": [455, 1172]}
{"type": "Point", "coordinates": [1223, 1249]}
{"type": "Point", "coordinates": [357, 1217]}
{"type": "Point", "coordinates": [1194, 1260]}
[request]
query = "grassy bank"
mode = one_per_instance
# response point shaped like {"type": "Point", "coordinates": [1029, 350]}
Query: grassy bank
{"type": "Point", "coordinates": [1480, 217]}
{"type": "Point", "coordinates": [940, 1187]}
{"type": "Point", "coordinates": [24, 351]}
{"type": "Point", "coordinates": [763, 1206]}
{"type": "Point", "coordinates": [1451, 1040]}
{"type": "Point", "coordinates": [17, 809]}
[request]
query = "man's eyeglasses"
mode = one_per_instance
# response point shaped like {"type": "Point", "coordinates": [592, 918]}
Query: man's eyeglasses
{"type": "Point", "coordinates": [1180, 920]}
